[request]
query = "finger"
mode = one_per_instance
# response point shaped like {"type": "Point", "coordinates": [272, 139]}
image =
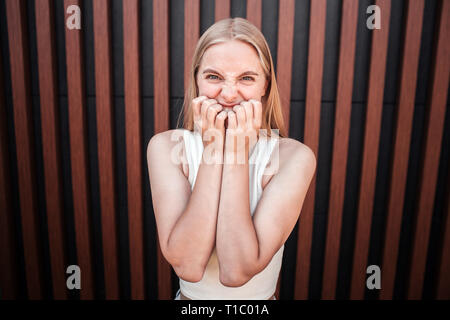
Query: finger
{"type": "Point", "coordinates": [217, 107]}
{"type": "Point", "coordinates": [232, 120]}
{"type": "Point", "coordinates": [196, 105]}
{"type": "Point", "coordinates": [205, 105]}
{"type": "Point", "coordinates": [220, 120]}
{"type": "Point", "coordinates": [248, 107]}
{"type": "Point", "coordinates": [212, 112]}
{"type": "Point", "coordinates": [240, 115]}
{"type": "Point", "coordinates": [257, 113]}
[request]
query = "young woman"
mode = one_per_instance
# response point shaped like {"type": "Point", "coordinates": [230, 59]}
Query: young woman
{"type": "Point", "coordinates": [228, 188]}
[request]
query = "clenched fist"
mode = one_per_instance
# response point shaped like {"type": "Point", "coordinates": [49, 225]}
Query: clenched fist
{"type": "Point", "coordinates": [209, 122]}
{"type": "Point", "coordinates": [244, 123]}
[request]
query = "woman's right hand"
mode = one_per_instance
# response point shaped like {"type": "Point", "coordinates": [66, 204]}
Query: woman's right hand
{"type": "Point", "coordinates": [209, 122]}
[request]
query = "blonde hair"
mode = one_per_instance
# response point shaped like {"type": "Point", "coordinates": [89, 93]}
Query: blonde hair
{"type": "Point", "coordinates": [237, 29]}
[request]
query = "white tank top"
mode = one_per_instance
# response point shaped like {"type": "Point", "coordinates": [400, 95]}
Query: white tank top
{"type": "Point", "coordinates": [263, 285]}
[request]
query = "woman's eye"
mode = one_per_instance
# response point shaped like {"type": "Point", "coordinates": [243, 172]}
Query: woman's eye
{"type": "Point", "coordinates": [212, 77]}
{"type": "Point", "coordinates": [247, 78]}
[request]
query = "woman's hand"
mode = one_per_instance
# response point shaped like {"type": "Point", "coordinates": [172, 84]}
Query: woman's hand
{"type": "Point", "coordinates": [242, 131]}
{"type": "Point", "coordinates": [209, 122]}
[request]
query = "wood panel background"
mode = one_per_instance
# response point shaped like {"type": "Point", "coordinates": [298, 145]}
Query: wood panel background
{"type": "Point", "coordinates": [78, 107]}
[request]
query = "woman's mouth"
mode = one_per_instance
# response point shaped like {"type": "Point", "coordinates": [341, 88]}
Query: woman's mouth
{"type": "Point", "coordinates": [229, 106]}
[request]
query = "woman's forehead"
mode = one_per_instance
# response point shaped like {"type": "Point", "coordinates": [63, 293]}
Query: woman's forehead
{"type": "Point", "coordinates": [236, 55]}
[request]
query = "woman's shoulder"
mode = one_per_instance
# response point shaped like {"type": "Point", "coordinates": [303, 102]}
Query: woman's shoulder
{"type": "Point", "coordinates": [163, 144]}
{"type": "Point", "coordinates": [165, 139]}
{"type": "Point", "coordinates": [289, 155]}
{"type": "Point", "coordinates": [294, 150]}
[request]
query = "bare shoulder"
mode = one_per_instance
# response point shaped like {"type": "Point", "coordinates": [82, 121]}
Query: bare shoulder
{"type": "Point", "coordinates": [167, 144]}
{"type": "Point", "coordinates": [290, 156]}
{"type": "Point", "coordinates": [296, 157]}
{"type": "Point", "coordinates": [164, 141]}
{"type": "Point", "coordinates": [293, 149]}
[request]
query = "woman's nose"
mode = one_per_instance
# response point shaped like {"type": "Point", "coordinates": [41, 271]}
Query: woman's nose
{"type": "Point", "coordinates": [229, 92]}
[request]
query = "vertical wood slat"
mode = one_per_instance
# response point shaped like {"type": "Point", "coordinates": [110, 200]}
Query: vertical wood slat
{"type": "Point", "coordinates": [284, 55]}
{"type": "Point", "coordinates": [8, 276]}
{"type": "Point", "coordinates": [312, 127]}
{"type": "Point", "coordinates": [222, 9]}
{"type": "Point", "coordinates": [161, 113]}
{"type": "Point", "coordinates": [431, 155]}
{"type": "Point", "coordinates": [284, 60]}
{"type": "Point", "coordinates": [50, 143]}
{"type": "Point", "coordinates": [191, 35]}
{"type": "Point", "coordinates": [133, 129]}
{"type": "Point", "coordinates": [340, 145]}
{"type": "Point", "coordinates": [161, 65]}
{"type": "Point", "coordinates": [254, 12]}
{"type": "Point", "coordinates": [400, 158]}
{"type": "Point", "coordinates": [20, 82]}
{"type": "Point", "coordinates": [78, 153]}
{"type": "Point", "coordinates": [443, 276]}
{"type": "Point", "coordinates": [105, 129]}
{"type": "Point", "coordinates": [375, 95]}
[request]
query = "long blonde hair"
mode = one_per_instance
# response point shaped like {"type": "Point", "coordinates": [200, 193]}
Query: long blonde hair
{"type": "Point", "coordinates": [237, 29]}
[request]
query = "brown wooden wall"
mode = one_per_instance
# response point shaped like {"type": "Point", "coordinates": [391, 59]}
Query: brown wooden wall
{"type": "Point", "coordinates": [78, 107]}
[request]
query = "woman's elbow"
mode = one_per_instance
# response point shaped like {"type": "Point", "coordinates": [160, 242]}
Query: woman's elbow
{"type": "Point", "coordinates": [189, 273]}
{"type": "Point", "coordinates": [186, 269]}
{"type": "Point", "coordinates": [234, 279]}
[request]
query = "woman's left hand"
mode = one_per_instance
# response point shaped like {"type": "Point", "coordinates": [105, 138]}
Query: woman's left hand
{"type": "Point", "coordinates": [242, 131]}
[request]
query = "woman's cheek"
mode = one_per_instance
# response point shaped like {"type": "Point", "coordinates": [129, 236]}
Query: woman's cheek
{"type": "Point", "coordinates": [251, 94]}
{"type": "Point", "coordinates": [210, 91]}
{"type": "Point", "coordinates": [255, 91]}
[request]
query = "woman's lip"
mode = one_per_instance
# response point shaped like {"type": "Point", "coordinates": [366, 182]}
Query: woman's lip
{"type": "Point", "coordinates": [229, 106]}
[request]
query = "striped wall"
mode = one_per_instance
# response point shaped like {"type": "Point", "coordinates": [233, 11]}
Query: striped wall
{"type": "Point", "coordinates": [78, 107]}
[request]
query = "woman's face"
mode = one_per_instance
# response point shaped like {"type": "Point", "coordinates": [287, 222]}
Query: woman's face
{"type": "Point", "coordinates": [230, 72]}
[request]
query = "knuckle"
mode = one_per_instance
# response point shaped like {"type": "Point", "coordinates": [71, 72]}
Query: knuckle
{"type": "Point", "coordinates": [197, 99]}
{"type": "Point", "coordinates": [205, 107]}
{"type": "Point", "coordinates": [211, 112]}
{"type": "Point", "coordinates": [220, 115]}
{"type": "Point", "coordinates": [256, 103]}
{"type": "Point", "coordinates": [207, 104]}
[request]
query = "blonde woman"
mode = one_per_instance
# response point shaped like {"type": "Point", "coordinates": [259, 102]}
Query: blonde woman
{"type": "Point", "coordinates": [228, 187]}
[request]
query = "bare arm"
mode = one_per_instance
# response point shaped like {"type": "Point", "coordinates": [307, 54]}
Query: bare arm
{"type": "Point", "coordinates": [245, 244]}
{"type": "Point", "coordinates": [186, 221]}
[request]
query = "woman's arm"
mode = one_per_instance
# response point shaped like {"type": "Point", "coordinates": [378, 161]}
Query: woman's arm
{"type": "Point", "coordinates": [186, 222]}
{"type": "Point", "coordinates": [245, 244]}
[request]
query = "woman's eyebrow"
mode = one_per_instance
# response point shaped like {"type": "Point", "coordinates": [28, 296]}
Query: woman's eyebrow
{"type": "Point", "coordinates": [209, 70]}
